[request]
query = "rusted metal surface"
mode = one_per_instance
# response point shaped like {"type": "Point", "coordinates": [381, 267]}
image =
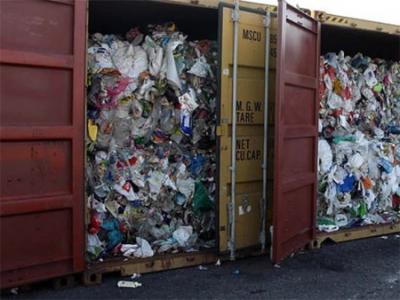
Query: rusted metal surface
{"type": "Point", "coordinates": [296, 134]}
{"type": "Point", "coordinates": [42, 59]}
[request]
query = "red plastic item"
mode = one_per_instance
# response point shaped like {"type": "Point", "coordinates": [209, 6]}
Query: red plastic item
{"type": "Point", "coordinates": [396, 202]}
{"type": "Point", "coordinates": [95, 224]}
{"type": "Point", "coordinates": [123, 228]}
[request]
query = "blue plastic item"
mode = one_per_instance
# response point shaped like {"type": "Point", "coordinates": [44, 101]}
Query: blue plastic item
{"type": "Point", "coordinates": [196, 165]}
{"type": "Point", "coordinates": [180, 199]}
{"type": "Point", "coordinates": [394, 129]}
{"type": "Point", "coordinates": [114, 236]}
{"type": "Point", "coordinates": [136, 203]}
{"type": "Point", "coordinates": [347, 185]}
{"type": "Point", "coordinates": [186, 122]}
{"type": "Point", "coordinates": [386, 165]}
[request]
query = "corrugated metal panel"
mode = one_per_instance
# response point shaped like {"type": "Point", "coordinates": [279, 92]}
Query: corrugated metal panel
{"type": "Point", "coordinates": [296, 134]}
{"type": "Point", "coordinates": [330, 19]}
{"type": "Point", "coordinates": [41, 131]}
{"type": "Point", "coordinates": [250, 107]}
{"type": "Point", "coordinates": [250, 120]}
{"type": "Point", "coordinates": [216, 3]}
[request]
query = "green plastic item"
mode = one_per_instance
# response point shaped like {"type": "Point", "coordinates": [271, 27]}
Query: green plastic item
{"type": "Point", "coordinates": [201, 201]}
{"type": "Point", "coordinates": [325, 221]}
{"type": "Point", "coordinates": [139, 141]}
{"type": "Point", "coordinates": [147, 108]}
{"type": "Point", "coordinates": [362, 210]}
{"type": "Point", "coordinates": [378, 88]}
{"type": "Point", "coordinates": [354, 211]}
{"type": "Point", "coordinates": [344, 138]}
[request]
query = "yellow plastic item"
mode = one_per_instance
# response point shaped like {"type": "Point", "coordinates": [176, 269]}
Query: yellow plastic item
{"type": "Point", "coordinates": [92, 130]}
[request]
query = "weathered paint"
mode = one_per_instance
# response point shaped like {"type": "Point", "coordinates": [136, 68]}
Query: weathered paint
{"type": "Point", "coordinates": [42, 59]}
{"type": "Point", "coordinates": [296, 131]}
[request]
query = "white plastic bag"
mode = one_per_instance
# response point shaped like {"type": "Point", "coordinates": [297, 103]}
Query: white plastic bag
{"type": "Point", "coordinates": [200, 68]}
{"type": "Point", "coordinates": [356, 161]}
{"type": "Point", "coordinates": [94, 244]}
{"type": "Point", "coordinates": [155, 54]}
{"type": "Point", "coordinates": [324, 156]}
{"type": "Point", "coordinates": [169, 61]}
{"type": "Point", "coordinates": [155, 181]}
{"type": "Point", "coordinates": [125, 189]}
{"type": "Point", "coordinates": [130, 60]}
{"type": "Point", "coordinates": [188, 101]}
{"type": "Point", "coordinates": [185, 186]}
{"type": "Point", "coordinates": [182, 235]}
{"type": "Point", "coordinates": [144, 249]}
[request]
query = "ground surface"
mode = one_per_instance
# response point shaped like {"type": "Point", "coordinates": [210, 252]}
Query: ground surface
{"type": "Point", "coordinates": [366, 269]}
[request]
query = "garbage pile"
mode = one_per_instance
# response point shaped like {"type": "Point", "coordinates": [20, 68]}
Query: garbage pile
{"type": "Point", "coordinates": [359, 144]}
{"type": "Point", "coordinates": [151, 146]}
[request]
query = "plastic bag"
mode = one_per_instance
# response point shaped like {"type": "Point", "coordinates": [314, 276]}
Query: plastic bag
{"type": "Point", "coordinates": [171, 70]}
{"type": "Point", "coordinates": [155, 121]}
{"type": "Point", "coordinates": [201, 201]}
{"type": "Point", "coordinates": [358, 179]}
{"type": "Point", "coordinates": [324, 156]}
{"type": "Point", "coordinates": [182, 235]}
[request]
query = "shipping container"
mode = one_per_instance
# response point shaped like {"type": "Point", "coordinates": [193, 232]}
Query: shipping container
{"type": "Point", "coordinates": [373, 39]}
{"type": "Point", "coordinates": [42, 127]}
{"type": "Point", "coordinates": [210, 20]}
{"type": "Point", "coordinates": [42, 139]}
{"type": "Point", "coordinates": [43, 48]}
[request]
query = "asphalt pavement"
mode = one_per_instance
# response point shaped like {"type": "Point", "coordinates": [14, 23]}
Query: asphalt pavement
{"type": "Point", "coordinates": [364, 269]}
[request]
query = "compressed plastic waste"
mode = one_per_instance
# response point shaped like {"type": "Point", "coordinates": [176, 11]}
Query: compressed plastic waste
{"type": "Point", "coordinates": [151, 163]}
{"type": "Point", "coordinates": [359, 160]}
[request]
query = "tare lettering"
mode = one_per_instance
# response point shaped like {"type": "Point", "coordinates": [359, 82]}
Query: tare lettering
{"type": "Point", "coordinates": [246, 111]}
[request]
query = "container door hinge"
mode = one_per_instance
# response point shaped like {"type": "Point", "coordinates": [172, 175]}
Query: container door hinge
{"type": "Point", "coordinates": [235, 15]}
{"type": "Point", "coordinates": [267, 20]}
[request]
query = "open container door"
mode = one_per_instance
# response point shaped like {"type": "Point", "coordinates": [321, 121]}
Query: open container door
{"type": "Point", "coordinates": [41, 139]}
{"type": "Point", "coordinates": [296, 131]}
{"type": "Point", "coordinates": [245, 214]}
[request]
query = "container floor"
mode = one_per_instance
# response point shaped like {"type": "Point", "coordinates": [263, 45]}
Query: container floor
{"type": "Point", "coordinates": [364, 269]}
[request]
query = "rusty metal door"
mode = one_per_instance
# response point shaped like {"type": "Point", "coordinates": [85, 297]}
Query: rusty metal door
{"type": "Point", "coordinates": [249, 129]}
{"type": "Point", "coordinates": [296, 132]}
{"type": "Point", "coordinates": [42, 72]}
